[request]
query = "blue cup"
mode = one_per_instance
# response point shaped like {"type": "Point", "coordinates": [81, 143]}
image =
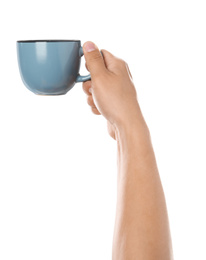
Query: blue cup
{"type": "Point", "coordinates": [50, 67]}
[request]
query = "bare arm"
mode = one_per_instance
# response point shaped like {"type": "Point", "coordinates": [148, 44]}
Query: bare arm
{"type": "Point", "coordinates": [141, 228]}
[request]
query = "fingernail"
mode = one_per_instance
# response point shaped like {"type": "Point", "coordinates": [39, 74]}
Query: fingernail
{"type": "Point", "coordinates": [90, 90]}
{"type": "Point", "coordinates": [89, 46]}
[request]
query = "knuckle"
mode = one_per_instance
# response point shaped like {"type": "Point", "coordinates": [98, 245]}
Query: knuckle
{"type": "Point", "coordinates": [120, 64]}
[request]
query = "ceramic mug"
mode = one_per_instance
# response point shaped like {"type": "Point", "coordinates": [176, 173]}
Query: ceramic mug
{"type": "Point", "coordinates": [50, 67]}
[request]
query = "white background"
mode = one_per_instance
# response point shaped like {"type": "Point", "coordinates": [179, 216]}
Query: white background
{"type": "Point", "coordinates": [57, 162]}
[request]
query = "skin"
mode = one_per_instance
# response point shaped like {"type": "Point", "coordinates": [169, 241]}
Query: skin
{"type": "Point", "coordinates": [141, 229]}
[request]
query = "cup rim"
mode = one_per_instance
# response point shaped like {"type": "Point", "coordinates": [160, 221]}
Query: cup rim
{"type": "Point", "coordinates": [32, 41]}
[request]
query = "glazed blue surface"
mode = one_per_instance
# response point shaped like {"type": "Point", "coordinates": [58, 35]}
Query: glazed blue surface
{"type": "Point", "coordinates": [50, 67]}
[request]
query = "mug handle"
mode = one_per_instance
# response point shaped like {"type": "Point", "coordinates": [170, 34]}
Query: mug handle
{"type": "Point", "coordinates": [79, 77]}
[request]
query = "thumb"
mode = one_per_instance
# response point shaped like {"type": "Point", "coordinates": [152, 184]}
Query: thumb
{"type": "Point", "coordinates": [94, 59]}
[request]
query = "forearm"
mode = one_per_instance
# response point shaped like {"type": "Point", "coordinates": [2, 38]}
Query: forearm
{"type": "Point", "coordinates": [141, 227]}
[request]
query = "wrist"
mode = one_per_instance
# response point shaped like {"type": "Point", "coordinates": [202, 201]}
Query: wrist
{"type": "Point", "coordinates": [131, 123]}
{"type": "Point", "coordinates": [132, 132]}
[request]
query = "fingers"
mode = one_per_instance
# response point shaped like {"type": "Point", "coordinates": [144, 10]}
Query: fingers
{"type": "Point", "coordinates": [90, 101]}
{"type": "Point", "coordinates": [94, 60]}
{"type": "Point", "coordinates": [95, 111]}
{"type": "Point", "coordinates": [86, 87]}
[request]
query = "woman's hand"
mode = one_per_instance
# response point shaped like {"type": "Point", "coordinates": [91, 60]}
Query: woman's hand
{"type": "Point", "coordinates": [111, 91]}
